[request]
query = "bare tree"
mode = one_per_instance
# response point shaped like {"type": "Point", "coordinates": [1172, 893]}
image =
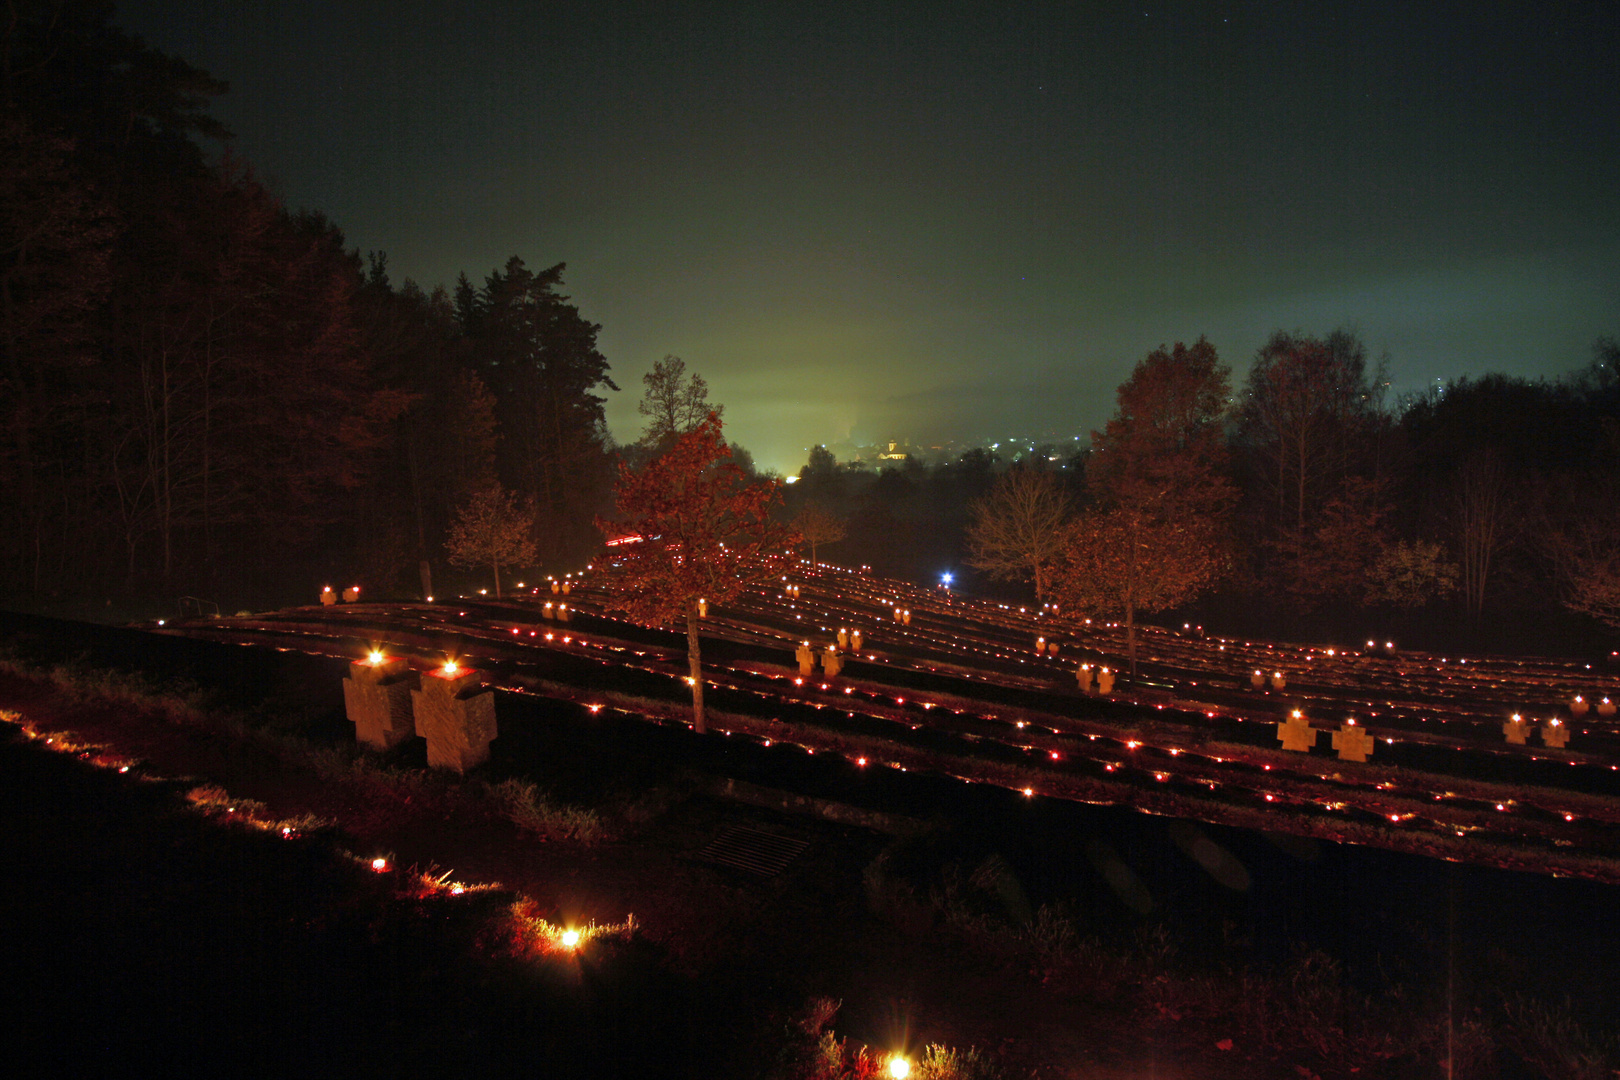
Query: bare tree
{"type": "Point", "coordinates": [492, 527]}
{"type": "Point", "coordinates": [1017, 531]}
{"type": "Point", "coordinates": [674, 402]}
{"type": "Point", "coordinates": [1482, 520]}
{"type": "Point", "coordinates": [1307, 411]}
{"type": "Point", "coordinates": [817, 526]}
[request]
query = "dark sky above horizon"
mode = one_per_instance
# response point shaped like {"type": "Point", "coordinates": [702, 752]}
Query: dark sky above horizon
{"type": "Point", "coordinates": [936, 220]}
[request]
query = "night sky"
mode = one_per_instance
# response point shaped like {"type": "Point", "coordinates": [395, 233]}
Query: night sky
{"type": "Point", "coordinates": [934, 221]}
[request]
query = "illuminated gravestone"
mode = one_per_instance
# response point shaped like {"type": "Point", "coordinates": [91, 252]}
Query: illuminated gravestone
{"type": "Point", "coordinates": [1052, 648]}
{"type": "Point", "coordinates": [1516, 729]}
{"type": "Point", "coordinates": [1296, 733]}
{"type": "Point", "coordinates": [855, 640]}
{"type": "Point", "coordinates": [568, 587]}
{"type": "Point", "coordinates": [703, 608]}
{"type": "Point", "coordinates": [1278, 680]}
{"type": "Point", "coordinates": [563, 614]}
{"type": "Point", "coordinates": [1353, 743]}
{"type": "Point", "coordinates": [1040, 646]}
{"type": "Point", "coordinates": [556, 588]}
{"type": "Point", "coordinates": [905, 616]}
{"type": "Point", "coordinates": [831, 662]}
{"type": "Point", "coordinates": [1555, 733]}
{"type": "Point", "coordinates": [1257, 680]}
{"type": "Point", "coordinates": [377, 698]}
{"type": "Point", "coordinates": [807, 659]}
{"type": "Point", "coordinates": [1083, 676]}
{"type": "Point", "coordinates": [1605, 707]}
{"type": "Point", "coordinates": [1105, 681]}
{"type": "Point", "coordinates": [1578, 706]}
{"type": "Point", "coordinates": [843, 638]}
{"type": "Point", "coordinates": [351, 594]}
{"type": "Point", "coordinates": [328, 596]}
{"type": "Point", "coordinates": [455, 713]}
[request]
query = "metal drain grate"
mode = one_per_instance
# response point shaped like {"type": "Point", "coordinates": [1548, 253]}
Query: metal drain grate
{"type": "Point", "coordinates": [762, 853]}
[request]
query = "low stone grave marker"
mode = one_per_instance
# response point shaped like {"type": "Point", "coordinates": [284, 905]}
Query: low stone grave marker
{"type": "Point", "coordinates": [1516, 729]}
{"type": "Point", "coordinates": [1353, 743]}
{"type": "Point", "coordinates": [455, 713]}
{"type": "Point", "coordinates": [1297, 734]}
{"type": "Point", "coordinates": [1555, 733]}
{"type": "Point", "coordinates": [377, 698]}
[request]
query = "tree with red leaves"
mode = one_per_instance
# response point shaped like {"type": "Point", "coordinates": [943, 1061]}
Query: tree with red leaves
{"type": "Point", "coordinates": [705, 534]}
{"type": "Point", "coordinates": [1157, 534]}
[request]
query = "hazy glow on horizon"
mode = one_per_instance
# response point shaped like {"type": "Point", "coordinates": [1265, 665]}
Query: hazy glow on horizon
{"type": "Point", "coordinates": [867, 222]}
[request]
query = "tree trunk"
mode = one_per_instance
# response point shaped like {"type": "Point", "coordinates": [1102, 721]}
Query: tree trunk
{"type": "Point", "coordinates": [1130, 635]}
{"type": "Point", "coordinates": [497, 568]}
{"type": "Point", "coordinates": [1130, 600]}
{"type": "Point", "coordinates": [1299, 504]}
{"type": "Point", "coordinates": [695, 661]}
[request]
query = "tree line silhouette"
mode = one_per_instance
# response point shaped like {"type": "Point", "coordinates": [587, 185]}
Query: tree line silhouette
{"type": "Point", "coordinates": [1303, 492]}
{"type": "Point", "coordinates": [203, 391]}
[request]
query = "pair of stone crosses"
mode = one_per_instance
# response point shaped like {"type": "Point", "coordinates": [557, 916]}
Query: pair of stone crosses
{"type": "Point", "coordinates": [1554, 732]}
{"type": "Point", "coordinates": [1353, 743]}
{"type": "Point", "coordinates": [831, 662]}
{"type": "Point", "coordinates": [450, 707]}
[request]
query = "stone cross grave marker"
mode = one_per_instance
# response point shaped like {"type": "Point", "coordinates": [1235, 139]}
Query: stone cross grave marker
{"type": "Point", "coordinates": [1297, 734]}
{"type": "Point", "coordinates": [455, 713]}
{"type": "Point", "coordinates": [377, 698]}
{"type": "Point", "coordinates": [1353, 743]}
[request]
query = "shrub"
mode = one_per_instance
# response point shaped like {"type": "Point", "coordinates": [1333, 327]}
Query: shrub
{"type": "Point", "coordinates": [530, 809]}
